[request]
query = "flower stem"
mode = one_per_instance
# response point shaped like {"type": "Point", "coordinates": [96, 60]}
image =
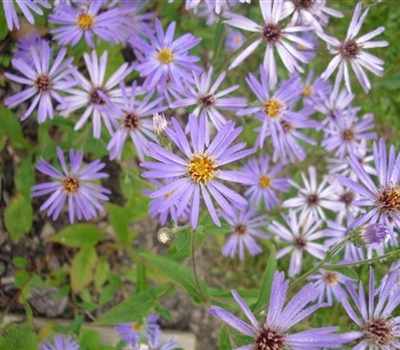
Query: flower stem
{"type": "Point", "coordinates": [196, 277]}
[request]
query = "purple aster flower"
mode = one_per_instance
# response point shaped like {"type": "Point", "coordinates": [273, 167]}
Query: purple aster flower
{"type": "Point", "coordinates": [346, 134]}
{"type": "Point", "coordinates": [313, 198]}
{"type": "Point", "coordinates": [245, 225]}
{"type": "Point", "coordinates": [164, 58]}
{"type": "Point", "coordinates": [300, 234]}
{"type": "Point", "coordinates": [155, 343]}
{"type": "Point", "coordinates": [131, 332]}
{"type": "Point", "coordinates": [266, 182]}
{"type": "Point", "coordinates": [330, 285]}
{"type": "Point", "coordinates": [351, 52]}
{"type": "Point", "coordinates": [275, 36]}
{"type": "Point", "coordinates": [207, 100]}
{"type": "Point", "coordinates": [393, 269]}
{"type": "Point", "coordinates": [378, 328]}
{"type": "Point", "coordinates": [369, 234]}
{"type": "Point", "coordinates": [313, 89]}
{"type": "Point", "coordinates": [382, 201]}
{"type": "Point", "coordinates": [83, 20]}
{"type": "Point", "coordinates": [274, 333]}
{"type": "Point", "coordinates": [59, 343]}
{"type": "Point", "coordinates": [98, 97]}
{"type": "Point", "coordinates": [199, 169]}
{"type": "Point", "coordinates": [45, 78]}
{"type": "Point", "coordinates": [234, 39]}
{"type": "Point", "coordinates": [24, 46]}
{"type": "Point", "coordinates": [347, 200]}
{"type": "Point", "coordinates": [26, 8]}
{"type": "Point", "coordinates": [275, 106]}
{"type": "Point", "coordinates": [72, 185]}
{"type": "Point", "coordinates": [136, 121]}
{"type": "Point", "coordinates": [311, 38]}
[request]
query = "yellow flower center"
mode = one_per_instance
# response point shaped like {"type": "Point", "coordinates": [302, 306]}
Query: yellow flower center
{"type": "Point", "coordinates": [264, 181]}
{"type": "Point", "coordinates": [201, 169]}
{"type": "Point", "coordinates": [85, 21]}
{"type": "Point", "coordinates": [307, 91]}
{"type": "Point", "coordinates": [301, 47]}
{"type": "Point", "coordinates": [136, 327]}
{"type": "Point", "coordinates": [165, 56]}
{"type": "Point", "coordinates": [167, 195]}
{"type": "Point", "coordinates": [388, 200]}
{"type": "Point", "coordinates": [237, 40]}
{"type": "Point", "coordinates": [273, 107]}
{"type": "Point", "coordinates": [70, 184]}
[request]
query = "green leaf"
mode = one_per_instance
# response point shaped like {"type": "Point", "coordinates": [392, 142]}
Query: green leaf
{"type": "Point", "coordinates": [3, 24]}
{"type": "Point", "coordinates": [101, 274]}
{"type": "Point", "coordinates": [134, 308]}
{"type": "Point", "coordinates": [224, 341]}
{"type": "Point", "coordinates": [141, 280]}
{"type": "Point", "coordinates": [19, 261]}
{"type": "Point", "coordinates": [266, 281]}
{"type": "Point", "coordinates": [25, 178]}
{"type": "Point", "coordinates": [178, 273]}
{"type": "Point", "coordinates": [119, 221]}
{"type": "Point", "coordinates": [17, 337]}
{"type": "Point", "coordinates": [107, 293]}
{"type": "Point", "coordinates": [82, 268]}
{"type": "Point", "coordinates": [18, 217]}
{"type": "Point", "coordinates": [11, 126]}
{"type": "Point", "coordinates": [77, 236]}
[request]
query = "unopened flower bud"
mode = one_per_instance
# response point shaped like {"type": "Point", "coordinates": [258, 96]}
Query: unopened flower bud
{"type": "Point", "coordinates": [368, 234]}
{"type": "Point", "coordinates": [159, 123]}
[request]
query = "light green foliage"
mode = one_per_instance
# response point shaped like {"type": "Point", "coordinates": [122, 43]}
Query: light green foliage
{"type": "Point", "coordinates": [82, 268]}
{"type": "Point", "coordinates": [18, 337]}
{"type": "Point", "coordinates": [18, 217]}
{"type": "Point", "coordinates": [77, 236]}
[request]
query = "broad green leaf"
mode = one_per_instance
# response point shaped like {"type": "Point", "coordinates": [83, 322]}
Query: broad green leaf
{"type": "Point", "coordinates": [11, 126]}
{"type": "Point", "coordinates": [19, 261]}
{"type": "Point", "coordinates": [178, 273]}
{"type": "Point", "coordinates": [3, 24]}
{"type": "Point", "coordinates": [224, 341]}
{"type": "Point", "coordinates": [119, 221]}
{"type": "Point", "coordinates": [78, 235]}
{"type": "Point", "coordinates": [141, 279]}
{"type": "Point", "coordinates": [82, 268]}
{"type": "Point", "coordinates": [18, 217]}
{"type": "Point", "coordinates": [25, 178]}
{"type": "Point", "coordinates": [107, 293]}
{"type": "Point", "coordinates": [102, 270]}
{"type": "Point", "coordinates": [266, 280]}
{"type": "Point", "coordinates": [17, 337]}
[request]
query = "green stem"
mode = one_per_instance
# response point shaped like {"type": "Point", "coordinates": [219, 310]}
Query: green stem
{"type": "Point", "coordinates": [196, 277]}
{"type": "Point", "coordinates": [368, 261]}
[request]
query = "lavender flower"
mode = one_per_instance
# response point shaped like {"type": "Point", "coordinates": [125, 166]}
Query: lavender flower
{"type": "Point", "coordinates": [136, 122]}
{"type": "Point", "coordinates": [274, 333]}
{"type": "Point", "coordinates": [369, 234]}
{"type": "Point", "coordinates": [207, 100]}
{"type": "Point", "coordinates": [234, 40]}
{"type": "Point", "coordinates": [275, 36]}
{"type": "Point", "coordinates": [98, 97]}
{"type": "Point", "coordinates": [155, 342]}
{"type": "Point", "coordinates": [300, 236]}
{"type": "Point", "coordinates": [59, 343]}
{"type": "Point", "coordinates": [72, 186]}
{"type": "Point", "coordinates": [266, 180]}
{"type": "Point", "coordinates": [378, 329]}
{"type": "Point", "coordinates": [44, 78]}
{"type": "Point", "coordinates": [314, 90]}
{"type": "Point", "coordinates": [86, 21]}
{"type": "Point", "coordinates": [382, 200]}
{"type": "Point", "coordinates": [244, 227]}
{"type": "Point", "coordinates": [198, 169]}
{"type": "Point", "coordinates": [351, 52]}
{"type": "Point", "coordinates": [26, 8]}
{"type": "Point", "coordinates": [163, 58]}
{"type": "Point", "coordinates": [313, 198]}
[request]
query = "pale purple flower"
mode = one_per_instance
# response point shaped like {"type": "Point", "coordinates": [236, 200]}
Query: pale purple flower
{"type": "Point", "coordinates": [330, 285]}
{"type": "Point", "coordinates": [300, 234]}
{"type": "Point", "coordinates": [96, 95]}
{"type": "Point", "coordinates": [275, 36]}
{"type": "Point", "coordinates": [26, 8]}
{"type": "Point", "coordinates": [313, 199]}
{"type": "Point", "coordinates": [198, 169]}
{"type": "Point", "coordinates": [377, 327]}
{"type": "Point", "coordinates": [244, 227]}
{"type": "Point", "coordinates": [24, 46]}
{"type": "Point", "coordinates": [266, 182]}
{"type": "Point", "coordinates": [351, 52]}
{"type": "Point", "coordinates": [155, 343]}
{"type": "Point", "coordinates": [46, 78]}
{"type": "Point", "coordinates": [347, 200]}
{"type": "Point", "coordinates": [73, 186]}
{"type": "Point", "coordinates": [135, 118]}
{"type": "Point", "coordinates": [81, 20]}
{"type": "Point", "coordinates": [59, 343]}
{"type": "Point", "coordinates": [369, 234]}
{"type": "Point", "coordinates": [274, 332]}
{"type": "Point", "coordinates": [207, 100]}
{"type": "Point", "coordinates": [234, 39]}
{"type": "Point", "coordinates": [162, 58]}
{"type": "Point", "coordinates": [314, 90]}
{"type": "Point", "coordinates": [382, 201]}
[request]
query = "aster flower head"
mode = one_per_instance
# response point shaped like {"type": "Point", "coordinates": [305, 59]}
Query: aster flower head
{"type": "Point", "coordinates": [135, 121]}
{"type": "Point", "coordinates": [275, 332]}
{"type": "Point", "coordinates": [267, 182]}
{"type": "Point", "coordinates": [381, 200]}
{"type": "Point", "coordinates": [300, 235]}
{"type": "Point", "coordinates": [86, 20]}
{"type": "Point", "coordinates": [244, 226]}
{"type": "Point", "coordinates": [155, 342]}
{"type": "Point", "coordinates": [97, 96]}
{"type": "Point", "coordinates": [351, 52]}
{"type": "Point", "coordinates": [275, 36]}
{"type": "Point", "coordinates": [234, 39]}
{"type": "Point", "coordinates": [59, 343]}
{"type": "Point", "coordinates": [45, 78]}
{"type": "Point", "coordinates": [377, 328]}
{"type": "Point", "coordinates": [199, 169]}
{"type": "Point", "coordinates": [24, 45]}
{"type": "Point", "coordinates": [314, 89]}
{"type": "Point", "coordinates": [73, 186]}
{"type": "Point", "coordinates": [207, 100]}
{"type": "Point", "coordinates": [164, 58]}
{"type": "Point", "coordinates": [26, 7]}
{"type": "Point", "coordinates": [313, 199]}
{"type": "Point", "coordinates": [368, 234]}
